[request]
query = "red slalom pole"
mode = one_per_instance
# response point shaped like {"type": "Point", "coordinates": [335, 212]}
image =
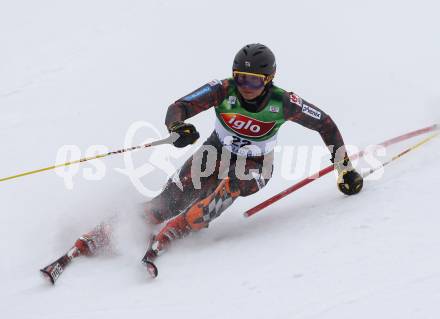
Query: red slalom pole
{"type": "Point", "coordinates": [330, 168]}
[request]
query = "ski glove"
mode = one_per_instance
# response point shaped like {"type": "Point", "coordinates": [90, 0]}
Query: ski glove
{"type": "Point", "coordinates": [350, 182]}
{"type": "Point", "coordinates": [187, 133]}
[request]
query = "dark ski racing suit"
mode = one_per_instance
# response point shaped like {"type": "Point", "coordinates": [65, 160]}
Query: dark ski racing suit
{"type": "Point", "coordinates": [193, 208]}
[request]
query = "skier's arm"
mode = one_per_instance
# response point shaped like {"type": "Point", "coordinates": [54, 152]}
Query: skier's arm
{"type": "Point", "coordinates": [302, 112]}
{"type": "Point", "coordinates": [211, 94]}
{"type": "Point", "coordinates": [310, 116]}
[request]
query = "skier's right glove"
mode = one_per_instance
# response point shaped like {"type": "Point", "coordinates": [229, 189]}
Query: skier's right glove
{"type": "Point", "coordinates": [187, 133]}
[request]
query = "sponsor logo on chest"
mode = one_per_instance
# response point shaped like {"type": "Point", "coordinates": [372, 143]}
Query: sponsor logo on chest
{"type": "Point", "coordinates": [247, 126]}
{"type": "Point", "coordinates": [232, 100]}
{"type": "Point", "coordinates": [274, 109]}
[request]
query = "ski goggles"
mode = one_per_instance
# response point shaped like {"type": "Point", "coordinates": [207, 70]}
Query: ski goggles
{"type": "Point", "coordinates": [251, 80]}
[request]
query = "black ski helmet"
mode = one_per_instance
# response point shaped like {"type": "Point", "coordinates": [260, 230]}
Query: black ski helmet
{"type": "Point", "coordinates": [255, 58]}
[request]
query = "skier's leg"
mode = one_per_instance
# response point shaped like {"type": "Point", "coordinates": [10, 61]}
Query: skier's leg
{"type": "Point", "coordinates": [197, 217]}
{"type": "Point", "coordinates": [203, 211]}
{"type": "Point", "coordinates": [88, 244]}
{"type": "Point", "coordinates": [171, 202]}
{"type": "Point", "coordinates": [180, 192]}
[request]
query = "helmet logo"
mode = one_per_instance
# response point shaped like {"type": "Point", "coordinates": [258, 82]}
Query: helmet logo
{"type": "Point", "coordinates": [247, 64]}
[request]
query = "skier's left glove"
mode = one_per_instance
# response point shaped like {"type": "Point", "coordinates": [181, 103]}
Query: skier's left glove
{"type": "Point", "coordinates": [350, 182]}
{"type": "Point", "coordinates": [187, 133]}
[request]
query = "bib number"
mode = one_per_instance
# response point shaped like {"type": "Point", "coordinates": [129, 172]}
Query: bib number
{"type": "Point", "coordinates": [238, 142]}
{"type": "Point", "coordinates": [240, 145]}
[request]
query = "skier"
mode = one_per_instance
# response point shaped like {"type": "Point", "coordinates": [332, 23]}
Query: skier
{"type": "Point", "coordinates": [249, 110]}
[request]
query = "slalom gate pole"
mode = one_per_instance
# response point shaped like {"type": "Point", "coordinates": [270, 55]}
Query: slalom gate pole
{"type": "Point", "coordinates": [396, 157]}
{"type": "Point", "coordinates": [170, 139]}
{"type": "Point", "coordinates": [330, 168]}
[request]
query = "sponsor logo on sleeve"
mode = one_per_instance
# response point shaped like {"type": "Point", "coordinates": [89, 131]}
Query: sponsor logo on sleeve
{"type": "Point", "coordinates": [200, 92]}
{"type": "Point", "coordinates": [214, 82]}
{"type": "Point", "coordinates": [311, 111]}
{"type": "Point", "coordinates": [295, 99]}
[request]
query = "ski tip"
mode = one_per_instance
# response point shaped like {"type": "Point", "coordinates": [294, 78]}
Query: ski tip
{"type": "Point", "coordinates": [46, 275]}
{"type": "Point", "coordinates": [151, 268]}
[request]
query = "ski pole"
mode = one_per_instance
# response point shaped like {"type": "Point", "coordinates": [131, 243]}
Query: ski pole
{"type": "Point", "coordinates": [170, 139]}
{"type": "Point", "coordinates": [330, 168]}
{"type": "Point", "coordinates": [396, 157]}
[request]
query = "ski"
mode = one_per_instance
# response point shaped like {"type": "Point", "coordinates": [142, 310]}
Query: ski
{"type": "Point", "coordinates": [54, 270]}
{"type": "Point", "coordinates": [148, 258]}
{"type": "Point", "coordinates": [151, 268]}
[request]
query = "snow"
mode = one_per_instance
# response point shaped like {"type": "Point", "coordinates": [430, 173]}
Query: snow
{"type": "Point", "coordinates": [80, 73]}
